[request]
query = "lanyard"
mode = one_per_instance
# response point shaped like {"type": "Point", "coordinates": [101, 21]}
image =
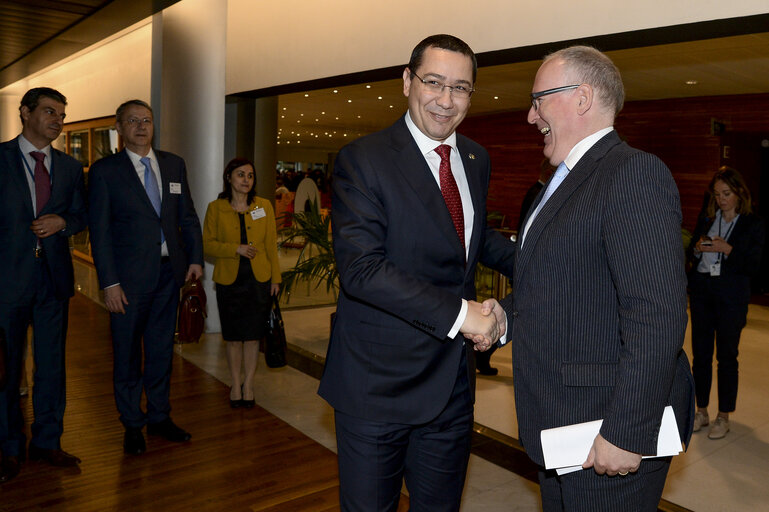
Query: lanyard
{"type": "Point", "coordinates": [726, 236]}
{"type": "Point", "coordinates": [31, 172]}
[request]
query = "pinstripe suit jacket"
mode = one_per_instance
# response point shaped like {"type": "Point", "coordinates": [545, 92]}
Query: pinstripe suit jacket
{"type": "Point", "coordinates": [598, 315]}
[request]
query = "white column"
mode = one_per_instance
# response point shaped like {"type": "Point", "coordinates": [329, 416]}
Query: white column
{"type": "Point", "coordinates": [188, 89]}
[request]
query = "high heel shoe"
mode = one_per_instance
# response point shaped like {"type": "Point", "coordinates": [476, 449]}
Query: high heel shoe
{"type": "Point", "coordinates": [237, 403]}
{"type": "Point", "coordinates": [247, 404]}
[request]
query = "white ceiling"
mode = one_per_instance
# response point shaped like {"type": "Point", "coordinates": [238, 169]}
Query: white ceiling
{"type": "Point", "coordinates": [326, 119]}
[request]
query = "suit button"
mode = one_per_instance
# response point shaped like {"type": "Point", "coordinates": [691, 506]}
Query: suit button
{"type": "Point", "coordinates": [515, 314]}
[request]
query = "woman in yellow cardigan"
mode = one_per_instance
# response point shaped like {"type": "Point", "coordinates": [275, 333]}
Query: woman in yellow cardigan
{"type": "Point", "coordinates": [239, 231]}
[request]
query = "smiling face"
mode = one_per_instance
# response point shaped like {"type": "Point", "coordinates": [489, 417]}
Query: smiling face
{"type": "Point", "coordinates": [136, 128]}
{"type": "Point", "coordinates": [242, 179]}
{"type": "Point", "coordinates": [44, 124]}
{"type": "Point", "coordinates": [556, 115]}
{"type": "Point", "coordinates": [726, 199]}
{"type": "Point", "coordinates": [437, 114]}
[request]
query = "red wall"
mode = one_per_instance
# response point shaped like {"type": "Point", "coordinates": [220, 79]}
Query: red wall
{"type": "Point", "coordinates": [676, 130]}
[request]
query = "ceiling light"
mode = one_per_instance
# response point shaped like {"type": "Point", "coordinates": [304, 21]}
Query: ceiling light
{"type": "Point", "coordinates": [282, 117]}
{"type": "Point", "coordinates": [306, 95]}
{"type": "Point", "coordinates": [323, 113]}
{"type": "Point", "coordinates": [284, 108]}
{"type": "Point", "coordinates": [691, 82]}
{"type": "Point", "coordinates": [496, 97]}
{"type": "Point", "coordinates": [335, 91]}
{"type": "Point", "coordinates": [368, 87]}
{"type": "Point", "coordinates": [301, 115]}
{"type": "Point", "coordinates": [316, 119]}
{"type": "Point", "coordinates": [379, 97]}
{"type": "Point", "coordinates": [349, 101]}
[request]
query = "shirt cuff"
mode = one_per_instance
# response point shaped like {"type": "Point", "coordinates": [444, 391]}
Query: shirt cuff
{"type": "Point", "coordinates": [460, 320]}
{"type": "Point", "coordinates": [503, 339]}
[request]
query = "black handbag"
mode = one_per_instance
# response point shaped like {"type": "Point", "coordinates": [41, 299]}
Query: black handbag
{"type": "Point", "coordinates": [275, 340]}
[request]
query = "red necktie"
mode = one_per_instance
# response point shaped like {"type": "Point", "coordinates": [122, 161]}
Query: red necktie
{"type": "Point", "coordinates": [42, 181]}
{"type": "Point", "coordinates": [450, 191]}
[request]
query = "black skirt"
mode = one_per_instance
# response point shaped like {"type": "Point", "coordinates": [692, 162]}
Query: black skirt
{"type": "Point", "coordinates": [244, 305]}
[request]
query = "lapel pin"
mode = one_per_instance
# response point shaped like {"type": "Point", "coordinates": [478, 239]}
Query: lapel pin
{"type": "Point", "coordinates": [472, 156]}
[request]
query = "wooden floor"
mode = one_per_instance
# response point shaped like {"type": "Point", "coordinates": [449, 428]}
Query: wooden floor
{"type": "Point", "coordinates": [237, 459]}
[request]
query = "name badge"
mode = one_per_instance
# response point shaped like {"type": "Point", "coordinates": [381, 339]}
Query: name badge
{"type": "Point", "coordinates": [175, 188]}
{"type": "Point", "coordinates": [715, 270]}
{"type": "Point", "coordinates": [257, 213]}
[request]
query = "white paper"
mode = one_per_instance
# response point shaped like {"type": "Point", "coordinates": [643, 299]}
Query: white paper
{"type": "Point", "coordinates": [566, 448]}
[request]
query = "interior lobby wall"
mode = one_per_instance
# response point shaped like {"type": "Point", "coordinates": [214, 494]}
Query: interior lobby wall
{"type": "Point", "coordinates": [276, 43]}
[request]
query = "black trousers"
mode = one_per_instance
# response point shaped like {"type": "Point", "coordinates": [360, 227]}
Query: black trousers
{"type": "Point", "coordinates": [376, 457]}
{"type": "Point", "coordinates": [149, 322]}
{"type": "Point", "coordinates": [48, 317]}
{"type": "Point", "coordinates": [719, 312]}
{"type": "Point", "coordinates": [587, 491]}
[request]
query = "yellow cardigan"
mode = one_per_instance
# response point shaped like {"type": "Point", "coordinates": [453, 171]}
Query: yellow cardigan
{"type": "Point", "coordinates": [221, 238]}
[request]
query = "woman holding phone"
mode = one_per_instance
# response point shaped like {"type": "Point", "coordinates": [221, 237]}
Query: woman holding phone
{"type": "Point", "coordinates": [726, 248]}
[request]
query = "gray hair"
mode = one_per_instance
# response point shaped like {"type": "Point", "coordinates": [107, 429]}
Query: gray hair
{"type": "Point", "coordinates": [587, 65]}
{"type": "Point", "coordinates": [123, 106]}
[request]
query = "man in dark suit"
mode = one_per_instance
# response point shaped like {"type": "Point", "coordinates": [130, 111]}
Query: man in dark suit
{"type": "Point", "coordinates": [41, 205]}
{"type": "Point", "coordinates": [409, 226]}
{"type": "Point", "coordinates": [598, 310]}
{"type": "Point", "coordinates": [146, 241]}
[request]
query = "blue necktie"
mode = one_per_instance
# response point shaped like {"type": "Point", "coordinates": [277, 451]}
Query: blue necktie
{"type": "Point", "coordinates": [153, 192]}
{"type": "Point", "coordinates": [558, 177]}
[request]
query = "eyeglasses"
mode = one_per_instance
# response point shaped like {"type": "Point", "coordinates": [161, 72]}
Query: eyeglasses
{"type": "Point", "coordinates": [135, 121]}
{"type": "Point", "coordinates": [535, 96]}
{"type": "Point", "coordinates": [436, 87]}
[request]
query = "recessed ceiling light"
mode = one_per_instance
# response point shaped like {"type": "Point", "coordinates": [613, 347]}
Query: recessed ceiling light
{"type": "Point", "coordinates": [336, 118]}
{"type": "Point", "coordinates": [496, 97]}
{"type": "Point", "coordinates": [284, 108]}
{"type": "Point", "coordinates": [691, 82]}
{"type": "Point", "coordinates": [316, 119]}
{"type": "Point", "coordinates": [306, 95]}
{"type": "Point", "coordinates": [301, 115]}
{"type": "Point", "coordinates": [391, 106]}
{"type": "Point", "coordinates": [368, 87]}
{"type": "Point", "coordinates": [349, 101]}
{"type": "Point", "coordinates": [282, 117]}
{"type": "Point", "coordinates": [379, 98]}
{"type": "Point", "coordinates": [335, 91]}
{"type": "Point", "coordinates": [323, 113]}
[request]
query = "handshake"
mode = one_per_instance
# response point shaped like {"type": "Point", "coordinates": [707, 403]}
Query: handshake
{"type": "Point", "coordinates": [484, 324]}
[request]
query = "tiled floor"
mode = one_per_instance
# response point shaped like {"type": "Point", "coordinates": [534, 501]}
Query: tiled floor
{"type": "Point", "coordinates": [723, 475]}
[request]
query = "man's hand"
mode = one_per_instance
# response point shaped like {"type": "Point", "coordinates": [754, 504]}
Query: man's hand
{"type": "Point", "coordinates": [482, 328]}
{"type": "Point", "coordinates": [47, 225]}
{"type": "Point", "coordinates": [607, 458]}
{"type": "Point", "coordinates": [249, 251]}
{"type": "Point", "coordinates": [115, 299]}
{"type": "Point", "coordinates": [274, 289]}
{"type": "Point", "coordinates": [194, 270]}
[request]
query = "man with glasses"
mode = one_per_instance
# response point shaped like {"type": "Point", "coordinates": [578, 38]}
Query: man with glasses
{"type": "Point", "coordinates": [599, 301]}
{"type": "Point", "coordinates": [409, 226]}
{"type": "Point", "coordinates": [146, 242]}
{"type": "Point", "coordinates": [41, 204]}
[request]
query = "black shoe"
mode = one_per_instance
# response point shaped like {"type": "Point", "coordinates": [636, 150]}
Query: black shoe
{"type": "Point", "coordinates": [491, 371]}
{"type": "Point", "coordinates": [57, 457]}
{"type": "Point", "coordinates": [133, 441]}
{"type": "Point", "coordinates": [248, 404]}
{"type": "Point", "coordinates": [9, 468]}
{"type": "Point", "coordinates": [236, 403]}
{"type": "Point", "coordinates": [168, 430]}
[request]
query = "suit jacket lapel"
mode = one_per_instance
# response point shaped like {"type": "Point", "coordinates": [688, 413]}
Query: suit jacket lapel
{"type": "Point", "coordinates": [474, 175]}
{"type": "Point", "coordinates": [17, 170]}
{"type": "Point", "coordinates": [412, 166]}
{"type": "Point", "coordinates": [127, 173]}
{"type": "Point", "coordinates": [584, 168]}
{"type": "Point", "coordinates": [165, 179]}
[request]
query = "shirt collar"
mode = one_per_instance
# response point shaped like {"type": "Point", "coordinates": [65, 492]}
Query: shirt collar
{"type": "Point", "coordinates": [425, 143]}
{"type": "Point", "coordinates": [583, 146]}
{"type": "Point", "coordinates": [27, 147]}
{"type": "Point", "coordinates": [136, 158]}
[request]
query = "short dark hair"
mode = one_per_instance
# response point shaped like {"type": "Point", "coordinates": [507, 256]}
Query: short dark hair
{"type": "Point", "coordinates": [31, 98]}
{"type": "Point", "coordinates": [121, 109]}
{"type": "Point", "coordinates": [233, 164]}
{"type": "Point", "coordinates": [444, 42]}
{"type": "Point", "coordinates": [734, 181]}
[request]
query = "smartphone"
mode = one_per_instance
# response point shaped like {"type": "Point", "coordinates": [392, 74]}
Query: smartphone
{"type": "Point", "coordinates": [706, 240]}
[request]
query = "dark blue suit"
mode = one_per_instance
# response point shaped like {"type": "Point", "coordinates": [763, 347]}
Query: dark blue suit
{"type": "Point", "coordinates": [403, 274]}
{"type": "Point", "coordinates": [127, 251]}
{"type": "Point", "coordinates": [36, 291]}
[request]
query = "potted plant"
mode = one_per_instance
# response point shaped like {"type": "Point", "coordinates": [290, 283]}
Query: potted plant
{"type": "Point", "coordinates": [310, 231]}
